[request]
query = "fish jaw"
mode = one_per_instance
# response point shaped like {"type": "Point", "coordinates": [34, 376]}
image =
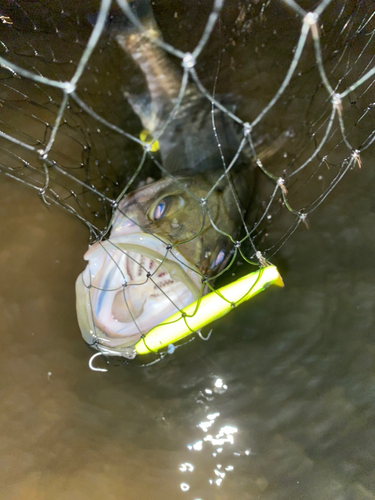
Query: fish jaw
{"type": "Point", "coordinates": [131, 284]}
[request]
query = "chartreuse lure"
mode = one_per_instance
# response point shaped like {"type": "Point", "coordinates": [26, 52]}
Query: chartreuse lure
{"type": "Point", "coordinates": [207, 309]}
{"type": "Point", "coordinates": [146, 137]}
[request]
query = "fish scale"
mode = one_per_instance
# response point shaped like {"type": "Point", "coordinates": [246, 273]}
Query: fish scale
{"type": "Point", "coordinates": [185, 222]}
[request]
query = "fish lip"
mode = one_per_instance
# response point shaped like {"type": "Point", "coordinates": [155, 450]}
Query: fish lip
{"type": "Point", "coordinates": [143, 244]}
{"type": "Point", "coordinates": [136, 241]}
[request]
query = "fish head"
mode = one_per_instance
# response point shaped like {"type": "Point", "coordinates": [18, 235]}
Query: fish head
{"type": "Point", "coordinates": [163, 246]}
{"type": "Point", "coordinates": [175, 212]}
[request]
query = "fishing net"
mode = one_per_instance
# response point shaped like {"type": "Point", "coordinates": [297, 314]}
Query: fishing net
{"type": "Point", "coordinates": [301, 76]}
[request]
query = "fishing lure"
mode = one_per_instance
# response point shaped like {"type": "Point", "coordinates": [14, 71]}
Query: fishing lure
{"type": "Point", "coordinates": [200, 313]}
{"type": "Point", "coordinates": [207, 309]}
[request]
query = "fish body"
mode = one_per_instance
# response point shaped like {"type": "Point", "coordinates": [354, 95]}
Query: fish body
{"type": "Point", "coordinates": [168, 236]}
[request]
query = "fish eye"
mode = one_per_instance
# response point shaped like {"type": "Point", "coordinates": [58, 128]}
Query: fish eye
{"type": "Point", "coordinates": [218, 259]}
{"type": "Point", "coordinates": [160, 210]}
{"type": "Point", "coordinates": [166, 206]}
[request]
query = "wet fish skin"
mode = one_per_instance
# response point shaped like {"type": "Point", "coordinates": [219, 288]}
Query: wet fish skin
{"type": "Point", "coordinates": [187, 140]}
{"type": "Point", "coordinates": [189, 150]}
{"type": "Point", "coordinates": [186, 222]}
{"type": "Point", "coordinates": [169, 234]}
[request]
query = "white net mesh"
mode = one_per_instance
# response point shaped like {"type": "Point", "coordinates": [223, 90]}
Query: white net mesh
{"type": "Point", "coordinates": [301, 76]}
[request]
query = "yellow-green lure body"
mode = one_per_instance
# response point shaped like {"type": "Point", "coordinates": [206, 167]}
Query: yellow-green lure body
{"type": "Point", "coordinates": [207, 309]}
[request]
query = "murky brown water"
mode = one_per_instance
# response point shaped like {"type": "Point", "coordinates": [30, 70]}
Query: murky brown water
{"type": "Point", "coordinates": [279, 404]}
{"type": "Point", "coordinates": [298, 365]}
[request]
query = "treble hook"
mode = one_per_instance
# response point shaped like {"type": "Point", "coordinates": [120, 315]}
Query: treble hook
{"type": "Point", "coordinates": [92, 367]}
{"type": "Point", "coordinates": [205, 338]}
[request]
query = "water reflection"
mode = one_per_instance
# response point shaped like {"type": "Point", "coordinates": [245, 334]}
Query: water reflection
{"type": "Point", "coordinates": [217, 440]}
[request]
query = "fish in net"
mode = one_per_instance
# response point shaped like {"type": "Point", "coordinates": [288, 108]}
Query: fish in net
{"type": "Point", "coordinates": [239, 166]}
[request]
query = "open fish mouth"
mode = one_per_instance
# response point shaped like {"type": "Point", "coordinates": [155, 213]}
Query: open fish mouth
{"type": "Point", "coordinates": [131, 284]}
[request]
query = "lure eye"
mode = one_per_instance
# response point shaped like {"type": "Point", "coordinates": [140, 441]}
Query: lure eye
{"type": "Point", "coordinates": [160, 210]}
{"type": "Point", "coordinates": [218, 259]}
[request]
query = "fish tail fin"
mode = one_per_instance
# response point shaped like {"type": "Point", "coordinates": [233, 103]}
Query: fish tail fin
{"type": "Point", "coordinates": [143, 13]}
{"type": "Point", "coordinates": [125, 21]}
{"type": "Point", "coordinates": [139, 38]}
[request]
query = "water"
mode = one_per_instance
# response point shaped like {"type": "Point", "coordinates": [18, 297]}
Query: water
{"type": "Point", "coordinates": [280, 402]}
{"type": "Point", "coordinates": [298, 365]}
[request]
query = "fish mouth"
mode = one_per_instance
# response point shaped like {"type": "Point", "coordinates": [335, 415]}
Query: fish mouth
{"type": "Point", "coordinates": [131, 284]}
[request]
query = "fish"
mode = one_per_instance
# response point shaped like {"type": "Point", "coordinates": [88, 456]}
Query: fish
{"type": "Point", "coordinates": [171, 237]}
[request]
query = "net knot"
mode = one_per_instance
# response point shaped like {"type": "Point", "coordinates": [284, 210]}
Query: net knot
{"type": "Point", "coordinates": [42, 154]}
{"type": "Point", "coordinates": [188, 61]}
{"type": "Point", "coordinates": [356, 155]}
{"type": "Point", "coordinates": [169, 247]}
{"type": "Point", "coordinates": [69, 87]}
{"type": "Point", "coordinates": [203, 202]}
{"type": "Point", "coordinates": [303, 217]}
{"type": "Point", "coordinates": [237, 244]}
{"type": "Point", "coordinates": [311, 18]}
{"type": "Point", "coordinates": [337, 101]}
{"type": "Point", "coordinates": [262, 260]}
{"type": "Point", "coordinates": [247, 129]}
{"type": "Point", "coordinates": [171, 349]}
{"type": "Point", "coordinates": [281, 183]}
